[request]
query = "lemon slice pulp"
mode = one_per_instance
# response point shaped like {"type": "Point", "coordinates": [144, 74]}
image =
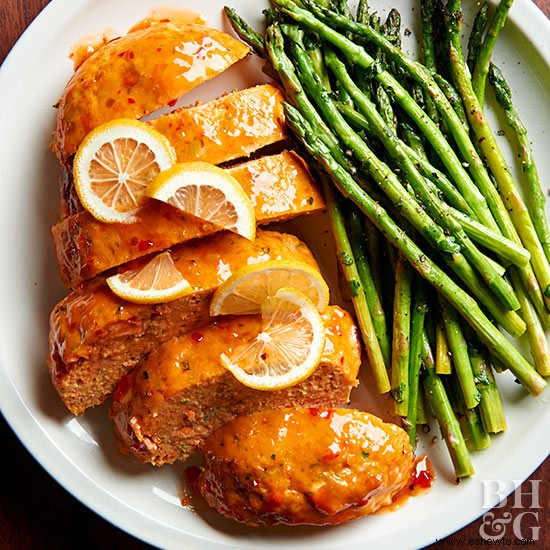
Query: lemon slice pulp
{"type": "Point", "coordinates": [115, 163]}
{"type": "Point", "coordinates": [245, 291]}
{"type": "Point", "coordinates": [209, 193]}
{"type": "Point", "coordinates": [287, 350]}
{"type": "Point", "coordinates": [157, 281]}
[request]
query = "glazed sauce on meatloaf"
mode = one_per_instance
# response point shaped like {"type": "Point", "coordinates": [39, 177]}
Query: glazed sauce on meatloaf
{"type": "Point", "coordinates": [305, 466]}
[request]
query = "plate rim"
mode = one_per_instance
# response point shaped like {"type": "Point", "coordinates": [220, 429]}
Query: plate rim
{"type": "Point", "coordinates": [67, 473]}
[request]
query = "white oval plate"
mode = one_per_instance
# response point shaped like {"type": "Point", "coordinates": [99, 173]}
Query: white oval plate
{"type": "Point", "coordinates": [81, 453]}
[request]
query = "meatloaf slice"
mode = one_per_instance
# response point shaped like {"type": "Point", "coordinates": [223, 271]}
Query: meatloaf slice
{"type": "Point", "coordinates": [169, 404]}
{"type": "Point", "coordinates": [224, 129]}
{"type": "Point", "coordinates": [137, 74]}
{"type": "Point", "coordinates": [95, 337]}
{"type": "Point", "coordinates": [280, 187]}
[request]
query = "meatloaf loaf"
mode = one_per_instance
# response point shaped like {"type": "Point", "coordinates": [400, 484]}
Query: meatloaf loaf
{"type": "Point", "coordinates": [279, 186]}
{"type": "Point", "coordinates": [95, 337]}
{"type": "Point", "coordinates": [305, 466]}
{"type": "Point", "coordinates": [181, 393]}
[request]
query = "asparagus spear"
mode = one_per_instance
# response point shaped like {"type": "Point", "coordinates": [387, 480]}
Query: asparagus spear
{"type": "Point", "coordinates": [459, 352]}
{"type": "Point", "coordinates": [450, 427]}
{"type": "Point", "coordinates": [485, 51]}
{"type": "Point", "coordinates": [401, 336]}
{"type": "Point", "coordinates": [245, 32]}
{"type": "Point", "coordinates": [416, 356]}
{"type": "Point", "coordinates": [535, 330]}
{"type": "Point", "coordinates": [428, 49]}
{"type": "Point", "coordinates": [442, 352]}
{"type": "Point", "coordinates": [357, 242]}
{"type": "Point", "coordinates": [480, 438]}
{"type": "Point", "coordinates": [535, 196]}
{"type": "Point", "coordinates": [490, 406]}
{"type": "Point", "coordinates": [465, 304]}
{"type": "Point", "coordinates": [476, 35]}
{"type": "Point", "coordinates": [348, 264]}
{"type": "Point", "coordinates": [500, 245]}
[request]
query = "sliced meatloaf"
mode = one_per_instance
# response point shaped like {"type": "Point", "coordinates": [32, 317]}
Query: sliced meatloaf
{"type": "Point", "coordinates": [174, 400]}
{"type": "Point", "coordinates": [137, 74]}
{"type": "Point", "coordinates": [280, 187]}
{"type": "Point", "coordinates": [95, 337]}
{"type": "Point", "coordinates": [224, 129]}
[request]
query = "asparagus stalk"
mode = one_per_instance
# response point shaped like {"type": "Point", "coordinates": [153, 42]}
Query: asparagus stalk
{"type": "Point", "coordinates": [357, 242]}
{"type": "Point", "coordinates": [416, 357]}
{"type": "Point", "coordinates": [535, 330]}
{"type": "Point", "coordinates": [485, 51]}
{"type": "Point", "coordinates": [476, 35]}
{"type": "Point", "coordinates": [535, 196]}
{"type": "Point", "coordinates": [245, 32]}
{"type": "Point", "coordinates": [480, 438]}
{"type": "Point", "coordinates": [401, 336]}
{"type": "Point", "coordinates": [450, 427]}
{"type": "Point", "coordinates": [442, 352]}
{"type": "Point", "coordinates": [459, 352]}
{"type": "Point", "coordinates": [496, 342]}
{"type": "Point", "coordinates": [428, 48]}
{"type": "Point", "coordinates": [490, 405]}
{"type": "Point", "coordinates": [501, 246]}
{"type": "Point", "coordinates": [348, 265]}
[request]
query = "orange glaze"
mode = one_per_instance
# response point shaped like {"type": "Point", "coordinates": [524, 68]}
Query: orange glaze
{"type": "Point", "coordinates": [230, 127]}
{"type": "Point", "coordinates": [170, 13]}
{"type": "Point", "coordinates": [304, 466]}
{"type": "Point", "coordinates": [279, 186]}
{"type": "Point", "coordinates": [138, 73]}
{"type": "Point", "coordinates": [82, 320]}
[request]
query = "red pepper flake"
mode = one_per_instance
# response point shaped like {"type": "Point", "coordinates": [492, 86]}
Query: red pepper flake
{"type": "Point", "coordinates": [197, 336]}
{"type": "Point", "coordinates": [134, 241]}
{"type": "Point", "coordinates": [130, 100]}
{"type": "Point", "coordinates": [172, 102]}
{"type": "Point", "coordinates": [201, 53]}
{"type": "Point", "coordinates": [130, 55]}
{"type": "Point", "coordinates": [122, 389]}
{"type": "Point", "coordinates": [145, 245]}
{"type": "Point", "coordinates": [314, 411]}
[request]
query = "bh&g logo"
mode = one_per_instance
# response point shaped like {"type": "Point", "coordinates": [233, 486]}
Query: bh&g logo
{"type": "Point", "coordinates": [524, 524]}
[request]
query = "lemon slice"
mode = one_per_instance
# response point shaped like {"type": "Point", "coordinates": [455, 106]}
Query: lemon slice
{"type": "Point", "coordinates": [287, 350]}
{"type": "Point", "coordinates": [245, 291]}
{"type": "Point", "coordinates": [155, 282]}
{"type": "Point", "coordinates": [209, 193]}
{"type": "Point", "coordinates": [115, 163]}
